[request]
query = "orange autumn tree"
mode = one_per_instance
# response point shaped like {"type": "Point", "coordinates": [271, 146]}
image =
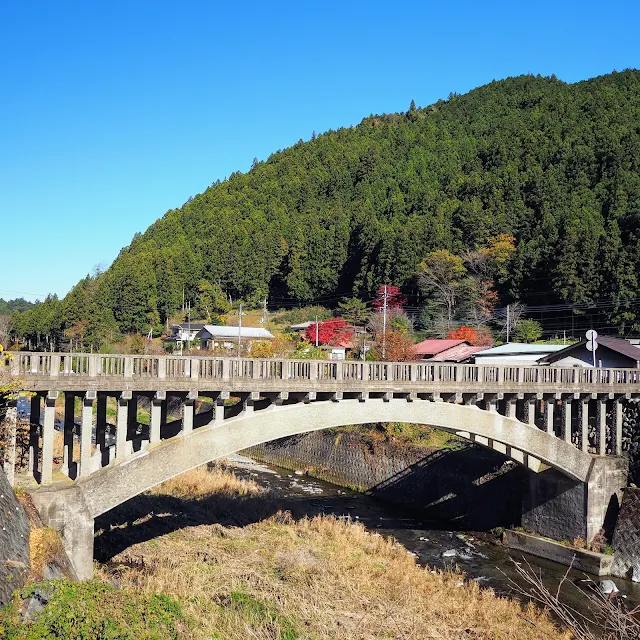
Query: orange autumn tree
{"type": "Point", "coordinates": [481, 337]}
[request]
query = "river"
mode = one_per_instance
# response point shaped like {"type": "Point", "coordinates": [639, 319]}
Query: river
{"type": "Point", "coordinates": [433, 543]}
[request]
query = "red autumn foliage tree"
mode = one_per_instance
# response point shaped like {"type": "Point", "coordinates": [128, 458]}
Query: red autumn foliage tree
{"type": "Point", "coordinates": [395, 298]}
{"type": "Point", "coordinates": [328, 332]}
{"type": "Point", "coordinates": [478, 337]}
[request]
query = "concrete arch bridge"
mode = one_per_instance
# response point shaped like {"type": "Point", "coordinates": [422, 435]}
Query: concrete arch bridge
{"type": "Point", "coordinates": [542, 417]}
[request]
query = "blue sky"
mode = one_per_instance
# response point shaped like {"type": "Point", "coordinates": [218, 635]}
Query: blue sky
{"type": "Point", "coordinates": [112, 113]}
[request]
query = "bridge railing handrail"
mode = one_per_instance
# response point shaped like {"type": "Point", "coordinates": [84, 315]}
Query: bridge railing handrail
{"type": "Point", "coordinates": [57, 365]}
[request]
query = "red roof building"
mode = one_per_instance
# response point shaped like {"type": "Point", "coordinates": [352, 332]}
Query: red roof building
{"type": "Point", "coordinates": [436, 350]}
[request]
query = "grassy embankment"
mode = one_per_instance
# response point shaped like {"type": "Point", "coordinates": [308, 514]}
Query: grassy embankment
{"type": "Point", "coordinates": [274, 578]}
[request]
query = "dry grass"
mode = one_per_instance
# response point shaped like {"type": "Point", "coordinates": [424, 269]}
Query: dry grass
{"type": "Point", "coordinates": [319, 578]}
{"type": "Point", "coordinates": [202, 483]}
{"type": "Point", "coordinates": [44, 546]}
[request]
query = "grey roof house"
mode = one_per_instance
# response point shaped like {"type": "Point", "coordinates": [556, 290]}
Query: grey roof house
{"type": "Point", "coordinates": [615, 353]}
{"type": "Point", "coordinates": [212, 335]}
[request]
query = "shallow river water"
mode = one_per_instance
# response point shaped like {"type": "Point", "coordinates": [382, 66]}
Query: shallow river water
{"type": "Point", "coordinates": [432, 542]}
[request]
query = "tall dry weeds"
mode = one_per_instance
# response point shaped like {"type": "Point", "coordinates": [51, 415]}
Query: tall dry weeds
{"type": "Point", "coordinates": [203, 482]}
{"type": "Point", "coordinates": [319, 578]}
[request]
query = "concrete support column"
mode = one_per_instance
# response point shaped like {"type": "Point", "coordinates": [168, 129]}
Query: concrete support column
{"type": "Point", "coordinates": [491, 404]}
{"type": "Point", "coordinates": [86, 429]}
{"type": "Point", "coordinates": [132, 422]}
{"type": "Point", "coordinates": [551, 403]}
{"type": "Point", "coordinates": [530, 404]}
{"type": "Point", "coordinates": [11, 427]}
{"type": "Point", "coordinates": [34, 434]}
{"type": "Point", "coordinates": [188, 412]}
{"type": "Point", "coordinates": [218, 409]}
{"type": "Point", "coordinates": [101, 421]}
{"type": "Point", "coordinates": [47, 437]}
{"type": "Point", "coordinates": [584, 424]}
{"type": "Point", "coordinates": [122, 424]}
{"type": "Point", "coordinates": [68, 426]}
{"type": "Point", "coordinates": [156, 415]}
{"type": "Point", "coordinates": [510, 407]}
{"type": "Point", "coordinates": [566, 428]}
{"type": "Point", "coordinates": [617, 445]}
{"type": "Point", "coordinates": [602, 426]}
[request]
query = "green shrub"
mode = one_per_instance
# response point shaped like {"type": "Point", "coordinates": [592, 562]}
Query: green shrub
{"type": "Point", "coordinates": [92, 611]}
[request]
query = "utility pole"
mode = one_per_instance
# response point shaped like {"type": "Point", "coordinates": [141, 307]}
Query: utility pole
{"type": "Point", "coordinates": [239, 327]}
{"type": "Point", "coordinates": [384, 322]}
{"type": "Point", "coordinates": [189, 325]}
{"type": "Point", "coordinates": [508, 323]}
{"type": "Point", "coordinates": [264, 313]}
{"type": "Point", "coordinates": [316, 332]}
{"type": "Point", "coordinates": [364, 345]}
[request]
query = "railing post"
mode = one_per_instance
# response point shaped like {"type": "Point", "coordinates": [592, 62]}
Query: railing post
{"type": "Point", "coordinates": [339, 370]}
{"type": "Point", "coordinates": [162, 367]}
{"type": "Point", "coordinates": [93, 366]}
{"type": "Point", "coordinates": [195, 368]}
{"type": "Point", "coordinates": [55, 366]}
{"type": "Point", "coordinates": [313, 370]}
{"type": "Point", "coordinates": [226, 369]}
{"type": "Point", "coordinates": [128, 367]}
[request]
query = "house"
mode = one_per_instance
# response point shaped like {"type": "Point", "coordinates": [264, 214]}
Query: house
{"type": "Point", "coordinates": [436, 350]}
{"type": "Point", "coordinates": [181, 334]}
{"type": "Point", "coordinates": [615, 353]}
{"type": "Point", "coordinates": [211, 336]}
{"type": "Point", "coordinates": [339, 348]}
{"type": "Point", "coordinates": [302, 327]}
{"type": "Point", "coordinates": [516, 353]}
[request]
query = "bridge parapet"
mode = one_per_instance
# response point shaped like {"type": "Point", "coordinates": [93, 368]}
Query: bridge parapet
{"type": "Point", "coordinates": [51, 371]}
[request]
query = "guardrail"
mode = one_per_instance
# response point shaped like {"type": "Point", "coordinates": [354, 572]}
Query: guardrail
{"type": "Point", "coordinates": [59, 365]}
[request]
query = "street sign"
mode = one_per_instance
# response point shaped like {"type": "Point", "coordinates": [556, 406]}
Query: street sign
{"type": "Point", "coordinates": [592, 345]}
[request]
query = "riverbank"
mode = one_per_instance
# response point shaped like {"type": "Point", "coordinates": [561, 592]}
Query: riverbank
{"type": "Point", "coordinates": [237, 567]}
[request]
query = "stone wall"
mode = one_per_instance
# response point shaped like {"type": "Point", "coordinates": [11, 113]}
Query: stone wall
{"type": "Point", "coordinates": [474, 487]}
{"type": "Point", "coordinates": [631, 439]}
{"type": "Point", "coordinates": [14, 542]}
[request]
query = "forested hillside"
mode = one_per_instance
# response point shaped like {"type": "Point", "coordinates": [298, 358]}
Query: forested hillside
{"type": "Point", "coordinates": [555, 165]}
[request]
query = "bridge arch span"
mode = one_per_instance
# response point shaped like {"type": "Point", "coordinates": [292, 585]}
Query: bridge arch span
{"type": "Point", "coordinates": [113, 485]}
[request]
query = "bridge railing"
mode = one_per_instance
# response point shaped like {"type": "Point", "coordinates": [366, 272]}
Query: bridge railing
{"type": "Point", "coordinates": [56, 365]}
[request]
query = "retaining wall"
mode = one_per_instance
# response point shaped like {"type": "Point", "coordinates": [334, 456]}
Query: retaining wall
{"type": "Point", "coordinates": [14, 542]}
{"type": "Point", "coordinates": [471, 487]}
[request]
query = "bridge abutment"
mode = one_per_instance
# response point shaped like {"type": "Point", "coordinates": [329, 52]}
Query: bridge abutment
{"type": "Point", "coordinates": [65, 510]}
{"type": "Point", "coordinates": [562, 508]}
